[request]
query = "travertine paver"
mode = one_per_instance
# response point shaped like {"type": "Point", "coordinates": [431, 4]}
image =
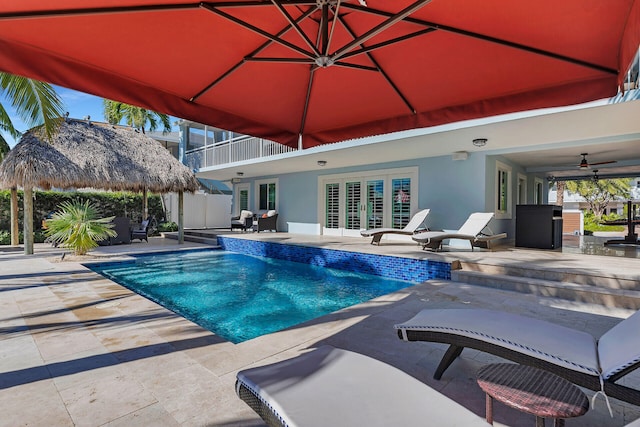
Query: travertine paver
{"type": "Point", "coordinates": [77, 349]}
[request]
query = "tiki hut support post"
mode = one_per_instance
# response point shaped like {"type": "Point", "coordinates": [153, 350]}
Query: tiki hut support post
{"type": "Point", "coordinates": [145, 204]}
{"type": "Point", "coordinates": [27, 220]}
{"type": "Point", "coordinates": [15, 228]}
{"type": "Point", "coordinates": [180, 217]}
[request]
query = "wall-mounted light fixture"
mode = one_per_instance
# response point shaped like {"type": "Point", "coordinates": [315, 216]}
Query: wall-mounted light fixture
{"type": "Point", "coordinates": [322, 162]}
{"type": "Point", "coordinates": [460, 155]}
{"type": "Point", "coordinates": [236, 180]}
{"type": "Point", "coordinates": [480, 142]}
{"type": "Point", "coordinates": [240, 173]}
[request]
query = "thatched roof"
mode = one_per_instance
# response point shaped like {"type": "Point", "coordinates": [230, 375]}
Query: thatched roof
{"type": "Point", "coordinates": [95, 155]}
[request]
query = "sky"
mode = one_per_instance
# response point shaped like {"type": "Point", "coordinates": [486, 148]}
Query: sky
{"type": "Point", "coordinates": [78, 104]}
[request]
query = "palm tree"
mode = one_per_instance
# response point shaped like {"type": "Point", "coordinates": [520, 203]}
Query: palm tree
{"type": "Point", "coordinates": [138, 117]}
{"type": "Point", "coordinates": [36, 103]}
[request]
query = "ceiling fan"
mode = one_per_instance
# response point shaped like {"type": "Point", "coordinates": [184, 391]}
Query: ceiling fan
{"type": "Point", "coordinates": [584, 164]}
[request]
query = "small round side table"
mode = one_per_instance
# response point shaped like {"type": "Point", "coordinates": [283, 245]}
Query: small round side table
{"type": "Point", "coordinates": [533, 391]}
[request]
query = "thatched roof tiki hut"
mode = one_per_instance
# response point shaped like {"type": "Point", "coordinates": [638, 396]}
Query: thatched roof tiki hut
{"type": "Point", "coordinates": [92, 155]}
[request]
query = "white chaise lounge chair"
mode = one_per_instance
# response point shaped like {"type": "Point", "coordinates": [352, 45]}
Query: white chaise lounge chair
{"type": "Point", "coordinates": [471, 230]}
{"type": "Point", "coordinates": [593, 363]}
{"type": "Point", "coordinates": [413, 225]}
{"type": "Point", "coordinates": [339, 388]}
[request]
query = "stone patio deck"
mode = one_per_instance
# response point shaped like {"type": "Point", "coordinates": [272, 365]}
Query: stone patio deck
{"type": "Point", "coordinates": [78, 349]}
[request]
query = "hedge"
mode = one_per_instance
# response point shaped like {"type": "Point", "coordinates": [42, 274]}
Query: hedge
{"type": "Point", "coordinates": [108, 204]}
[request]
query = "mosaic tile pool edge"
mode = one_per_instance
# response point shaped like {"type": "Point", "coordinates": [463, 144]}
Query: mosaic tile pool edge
{"type": "Point", "coordinates": [413, 270]}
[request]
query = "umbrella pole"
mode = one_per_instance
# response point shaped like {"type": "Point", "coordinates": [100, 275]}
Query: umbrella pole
{"type": "Point", "coordinates": [15, 229]}
{"type": "Point", "coordinates": [28, 221]}
{"type": "Point", "coordinates": [181, 217]}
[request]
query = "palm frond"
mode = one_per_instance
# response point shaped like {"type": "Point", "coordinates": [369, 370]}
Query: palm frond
{"type": "Point", "coordinates": [35, 102]}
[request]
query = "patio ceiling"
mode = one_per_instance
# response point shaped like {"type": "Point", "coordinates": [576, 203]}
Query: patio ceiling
{"type": "Point", "coordinates": [549, 144]}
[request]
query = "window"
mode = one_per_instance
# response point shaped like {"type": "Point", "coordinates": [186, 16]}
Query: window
{"type": "Point", "coordinates": [332, 206]}
{"type": "Point", "coordinates": [241, 197]}
{"type": "Point", "coordinates": [267, 195]}
{"type": "Point", "coordinates": [538, 196]}
{"type": "Point", "coordinates": [522, 189]}
{"type": "Point", "coordinates": [352, 203]}
{"type": "Point", "coordinates": [503, 191]}
{"type": "Point", "coordinates": [195, 139]}
{"type": "Point", "coordinates": [244, 199]}
{"type": "Point", "coordinates": [375, 203]}
{"type": "Point", "coordinates": [401, 212]}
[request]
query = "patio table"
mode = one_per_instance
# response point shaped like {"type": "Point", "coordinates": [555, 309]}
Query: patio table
{"type": "Point", "coordinates": [533, 391]}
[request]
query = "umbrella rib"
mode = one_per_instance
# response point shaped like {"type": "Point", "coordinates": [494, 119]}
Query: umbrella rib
{"type": "Point", "coordinates": [387, 43]}
{"type": "Point", "coordinates": [381, 70]}
{"type": "Point", "coordinates": [295, 26]}
{"type": "Point", "coordinates": [379, 28]}
{"type": "Point", "coordinates": [490, 39]}
{"type": "Point", "coordinates": [280, 60]}
{"type": "Point", "coordinates": [333, 26]}
{"type": "Point", "coordinates": [356, 66]}
{"type": "Point", "coordinates": [255, 52]}
{"type": "Point", "coordinates": [257, 30]}
{"type": "Point", "coordinates": [307, 99]}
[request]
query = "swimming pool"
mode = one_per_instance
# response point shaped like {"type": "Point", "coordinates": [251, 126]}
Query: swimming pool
{"type": "Point", "coordinates": [240, 297]}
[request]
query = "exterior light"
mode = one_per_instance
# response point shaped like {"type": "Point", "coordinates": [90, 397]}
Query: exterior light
{"type": "Point", "coordinates": [480, 142]}
{"type": "Point", "coordinates": [322, 162]}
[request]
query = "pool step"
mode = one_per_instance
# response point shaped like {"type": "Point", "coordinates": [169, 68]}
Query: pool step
{"type": "Point", "coordinates": [196, 237]}
{"type": "Point", "coordinates": [602, 295]}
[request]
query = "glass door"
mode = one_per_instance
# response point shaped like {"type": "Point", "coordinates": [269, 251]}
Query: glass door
{"type": "Point", "coordinates": [353, 206]}
{"type": "Point", "coordinates": [375, 203]}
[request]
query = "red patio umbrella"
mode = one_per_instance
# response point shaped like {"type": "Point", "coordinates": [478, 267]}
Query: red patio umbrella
{"type": "Point", "coordinates": [327, 70]}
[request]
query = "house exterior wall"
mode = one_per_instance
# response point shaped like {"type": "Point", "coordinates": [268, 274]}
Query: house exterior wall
{"type": "Point", "coordinates": [451, 189]}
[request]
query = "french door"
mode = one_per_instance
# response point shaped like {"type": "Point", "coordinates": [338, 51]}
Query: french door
{"type": "Point", "coordinates": [352, 204]}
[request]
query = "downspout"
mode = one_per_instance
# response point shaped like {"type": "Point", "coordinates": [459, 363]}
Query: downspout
{"type": "Point", "coordinates": [28, 221]}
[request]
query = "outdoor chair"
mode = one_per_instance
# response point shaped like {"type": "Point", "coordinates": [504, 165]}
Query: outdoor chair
{"type": "Point", "coordinates": [267, 221]}
{"type": "Point", "coordinates": [412, 227]}
{"type": "Point", "coordinates": [141, 231]}
{"type": "Point", "coordinates": [471, 230]}
{"type": "Point", "coordinates": [334, 387]}
{"type": "Point", "coordinates": [243, 221]}
{"type": "Point", "coordinates": [593, 363]}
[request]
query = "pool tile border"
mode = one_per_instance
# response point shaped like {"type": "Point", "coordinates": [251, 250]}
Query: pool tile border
{"type": "Point", "coordinates": [413, 270]}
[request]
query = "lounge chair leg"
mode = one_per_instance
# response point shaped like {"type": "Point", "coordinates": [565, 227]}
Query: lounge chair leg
{"type": "Point", "coordinates": [452, 352]}
{"type": "Point", "coordinates": [376, 239]}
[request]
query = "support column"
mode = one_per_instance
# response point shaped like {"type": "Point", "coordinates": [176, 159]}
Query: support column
{"type": "Point", "coordinates": [181, 217]}
{"type": "Point", "coordinates": [27, 220]}
{"type": "Point", "coordinates": [15, 226]}
{"type": "Point", "coordinates": [145, 204]}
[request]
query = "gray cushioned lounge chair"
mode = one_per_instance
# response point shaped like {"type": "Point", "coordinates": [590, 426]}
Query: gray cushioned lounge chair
{"type": "Point", "coordinates": [335, 387]}
{"type": "Point", "coordinates": [577, 356]}
{"type": "Point", "coordinates": [417, 221]}
{"type": "Point", "coordinates": [471, 230]}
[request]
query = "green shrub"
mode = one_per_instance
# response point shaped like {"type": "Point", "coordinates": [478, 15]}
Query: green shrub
{"type": "Point", "coordinates": [120, 203]}
{"type": "Point", "coordinates": [5, 237]}
{"type": "Point", "coordinates": [77, 226]}
{"type": "Point", "coordinates": [167, 226]}
{"type": "Point", "coordinates": [591, 224]}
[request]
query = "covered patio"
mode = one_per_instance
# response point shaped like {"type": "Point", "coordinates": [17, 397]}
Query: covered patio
{"type": "Point", "coordinates": [79, 349]}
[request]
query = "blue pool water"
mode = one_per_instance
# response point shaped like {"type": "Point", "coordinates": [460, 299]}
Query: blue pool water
{"type": "Point", "coordinates": [240, 297]}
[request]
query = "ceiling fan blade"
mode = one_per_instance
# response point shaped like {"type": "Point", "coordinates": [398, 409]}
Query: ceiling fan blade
{"type": "Point", "coordinates": [603, 163]}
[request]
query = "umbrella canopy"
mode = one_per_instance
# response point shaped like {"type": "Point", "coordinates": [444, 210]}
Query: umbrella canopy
{"type": "Point", "coordinates": [94, 155]}
{"type": "Point", "coordinates": [326, 70]}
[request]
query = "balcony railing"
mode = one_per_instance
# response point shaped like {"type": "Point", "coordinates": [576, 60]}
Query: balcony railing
{"type": "Point", "coordinates": [234, 150]}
